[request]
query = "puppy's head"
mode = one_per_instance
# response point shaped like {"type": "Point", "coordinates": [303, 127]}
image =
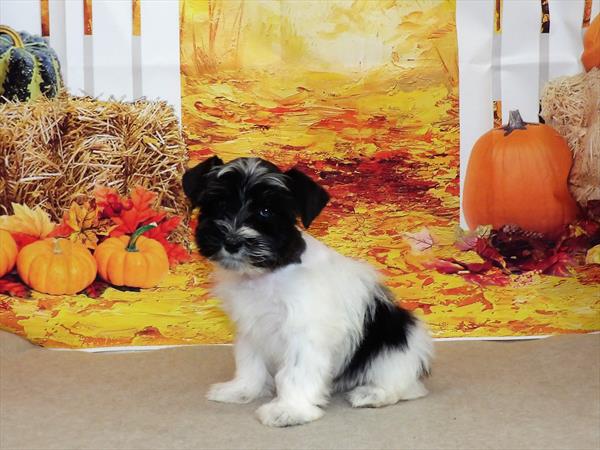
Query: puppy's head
{"type": "Point", "coordinates": [248, 212]}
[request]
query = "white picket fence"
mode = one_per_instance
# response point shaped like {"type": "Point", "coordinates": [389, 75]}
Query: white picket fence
{"type": "Point", "coordinates": [111, 61]}
{"type": "Point", "coordinates": [511, 66]}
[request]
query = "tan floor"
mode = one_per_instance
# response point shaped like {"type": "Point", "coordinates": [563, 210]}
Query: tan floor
{"type": "Point", "coordinates": [506, 395]}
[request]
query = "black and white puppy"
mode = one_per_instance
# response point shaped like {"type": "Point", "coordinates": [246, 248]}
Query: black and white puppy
{"type": "Point", "coordinates": [309, 321]}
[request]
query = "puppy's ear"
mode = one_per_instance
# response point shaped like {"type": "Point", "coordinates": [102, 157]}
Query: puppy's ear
{"type": "Point", "coordinates": [194, 179]}
{"type": "Point", "coordinates": [310, 197]}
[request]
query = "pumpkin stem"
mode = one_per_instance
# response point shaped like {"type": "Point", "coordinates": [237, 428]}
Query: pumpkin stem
{"type": "Point", "coordinates": [56, 247]}
{"type": "Point", "coordinates": [13, 35]}
{"type": "Point", "coordinates": [136, 234]}
{"type": "Point", "coordinates": [515, 122]}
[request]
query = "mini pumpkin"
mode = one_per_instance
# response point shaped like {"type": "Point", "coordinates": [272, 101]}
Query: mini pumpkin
{"type": "Point", "coordinates": [517, 175]}
{"type": "Point", "coordinates": [591, 45]}
{"type": "Point", "coordinates": [29, 68]}
{"type": "Point", "coordinates": [133, 261]}
{"type": "Point", "coordinates": [8, 252]}
{"type": "Point", "coordinates": [56, 266]}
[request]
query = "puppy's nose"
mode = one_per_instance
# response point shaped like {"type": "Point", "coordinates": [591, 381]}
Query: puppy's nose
{"type": "Point", "coordinates": [232, 245]}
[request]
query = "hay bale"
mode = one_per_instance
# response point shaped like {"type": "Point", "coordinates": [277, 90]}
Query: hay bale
{"type": "Point", "coordinates": [572, 106]}
{"type": "Point", "coordinates": [55, 151]}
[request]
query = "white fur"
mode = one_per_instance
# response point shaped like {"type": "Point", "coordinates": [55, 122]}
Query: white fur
{"type": "Point", "coordinates": [297, 328]}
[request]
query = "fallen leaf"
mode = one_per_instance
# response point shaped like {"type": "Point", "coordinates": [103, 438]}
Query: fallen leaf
{"type": "Point", "coordinates": [489, 253]}
{"type": "Point", "coordinates": [34, 222]}
{"type": "Point", "coordinates": [13, 286]}
{"type": "Point", "coordinates": [96, 289]}
{"type": "Point", "coordinates": [593, 255]}
{"type": "Point", "coordinates": [419, 241]}
{"type": "Point", "coordinates": [23, 239]}
{"type": "Point", "coordinates": [467, 240]}
{"type": "Point", "coordinates": [489, 279]}
{"type": "Point", "coordinates": [444, 266]}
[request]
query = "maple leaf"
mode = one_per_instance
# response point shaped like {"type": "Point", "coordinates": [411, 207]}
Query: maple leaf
{"type": "Point", "coordinates": [101, 194]}
{"type": "Point", "coordinates": [23, 239]}
{"type": "Point", "coordinates": [489, 253]}
{"type": "Point", "coordinates": [142, 199]}
{"type": "Point", "coordinates": [81, 217]}
{"type": "Point", "coordinates": [81, 223]}
{"type": "Point", "coordinates": [14, 287]}
{"type": "Point", "coordinates": [130, 220]}
{"type": "Point", "coordinates": [110, 202]}
{"type": "Point", "coordinates": [447, 266]}
{"type": "Point", "coordinates": [140, 213]}
{"type": "Point", "coordinates": [176, 253]}
{"type": "Point", "coordinates": [560, 264]}
{"type": "Point", "coordinates": [96, 289]}
{"type": "Point", "coordinates": [34, 222]}
{"type": "Point", "coordinates": [62, 230]}
{"type": "Point", "coordinates": [556, 264]}
{"type": "Point", "coordinates": [467, 240]}
{"type": "Point", "coordinates": [495, 278]}
{"type": "Point", "coordinates": [164, 228]}
{"type": "Point", "coordinates": [419, 241]}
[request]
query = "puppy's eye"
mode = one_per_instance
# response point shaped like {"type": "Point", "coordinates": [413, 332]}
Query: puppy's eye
{"type": "Point", "coordinates": [265, 213]}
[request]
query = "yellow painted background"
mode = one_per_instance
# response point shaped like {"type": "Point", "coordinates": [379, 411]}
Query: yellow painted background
{"type": "Point", "coordinates": [362, 95]}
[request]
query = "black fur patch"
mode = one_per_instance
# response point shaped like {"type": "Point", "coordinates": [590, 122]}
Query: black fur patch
{"type": "Point", "coordinates": [387, 326]}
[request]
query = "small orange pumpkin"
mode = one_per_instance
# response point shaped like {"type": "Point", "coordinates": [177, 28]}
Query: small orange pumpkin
{"type": "Point", "coordinates": [518, 175]}
{"type": "Point", "coordinates": [135, 261]}
{"type": "Point", "coordinates": [591, 45]}
{"type": "Point", "coordinates": [56, 266]}
{"type": "Point", "coordinates": [8, 252]}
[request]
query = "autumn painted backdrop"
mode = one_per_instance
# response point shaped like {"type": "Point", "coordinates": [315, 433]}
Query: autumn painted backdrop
{"type": "Point", "coordinates": [363, 96]}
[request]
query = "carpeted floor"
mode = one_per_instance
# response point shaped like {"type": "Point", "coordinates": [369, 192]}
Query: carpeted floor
{"type": "Point", "coordinates": [504, 395]}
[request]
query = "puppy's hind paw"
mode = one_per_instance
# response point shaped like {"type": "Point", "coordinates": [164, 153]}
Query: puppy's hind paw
{"type": "Point", "coordinates": [279, 414]}
{"type": "Point", "coordinates": [230, 392]}
{"type": "Point", "coordinates": [368, 397]}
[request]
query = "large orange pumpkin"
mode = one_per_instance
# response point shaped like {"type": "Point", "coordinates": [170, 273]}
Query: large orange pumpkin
{"type": "Point", "coordinates": [8, 252]}
{"type": "Point", "coordinates": [135, 261]}
{"type": "Point", "coordinates": [518, 175]}
{"type": "Point", "coordinates": [591, 45]}
{"type": "Point", "coordinates": [56, 266]}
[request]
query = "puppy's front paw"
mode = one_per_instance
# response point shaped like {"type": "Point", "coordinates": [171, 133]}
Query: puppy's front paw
{"type": "Point", "coordinates": [231, 392]}
{"type": "Point", "coordinates": [280, 414]}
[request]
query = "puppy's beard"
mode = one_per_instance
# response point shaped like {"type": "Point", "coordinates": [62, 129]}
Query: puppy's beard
{"type": "Point", "coordinates": [237, 262]}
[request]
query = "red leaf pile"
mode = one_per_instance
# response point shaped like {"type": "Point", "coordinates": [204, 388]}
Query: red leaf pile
{"type": "Point", "coordinates": [128, 214]}
{"type": "Point", "coordinates": [511, 250]}
{"type": "Point", "coordinates": [13, 286]}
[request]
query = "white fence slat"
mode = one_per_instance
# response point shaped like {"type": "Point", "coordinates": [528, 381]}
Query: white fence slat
{"type": "Point", "coordinates": [57, 38]}
{"type": "Point", "coordinates": [112, 54]}
{"type": "Point", "coordinates": [22, 15]}
{"type": "Point", "coordinates": [160, 51]}
{"type": "Point", "coordinates": [520, 68]}
{"type": "Point", "coordinates": [136, 54]}
{"type": "Point", "coordinates": [595, 9]}
{"type": "Point", "coordinates": [73, 64]}
{"type": "Point", "coordinates": [566, 45]}
{"type": "Point", "coordinates": [475, 30]}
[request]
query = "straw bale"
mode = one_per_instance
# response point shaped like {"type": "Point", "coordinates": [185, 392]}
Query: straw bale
{"type": "Point", "coordinates": [572, 106]}
{"type": "Point", "coordinates": [56, 151]}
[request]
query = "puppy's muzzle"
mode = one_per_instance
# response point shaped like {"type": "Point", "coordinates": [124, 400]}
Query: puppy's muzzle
{"type": "Point", "coordinates": [232, 244]}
